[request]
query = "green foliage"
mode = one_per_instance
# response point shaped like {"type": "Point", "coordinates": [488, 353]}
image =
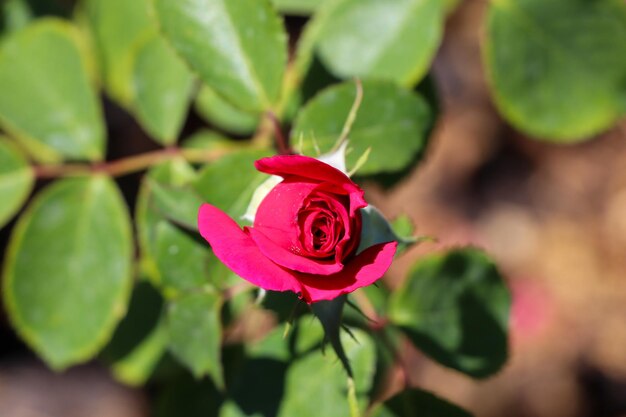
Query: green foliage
{"type": "Point", "coordinates": [454, 306]}
{"type": "Point", "coordinates": [14, 14]}
{"type": "Point", "coordinates": [376, 229]}
{"type": "Point", "coordinates": [224, 115]}
{"type": "Point", "coordinates": [140, 340]}
{"type": "Point", "coordinates": [195, 332]}
{"type": "Point", "coordinates": [272, 383]}
{"type": "Point", "coordinates": [330, 381]}
{"type": "Point", "coordinates": [139, 69]}
{"type": "Point", "coordinates": [67, 274]}
{"type": "Point", "coordinates": [16, 180]}
{"type": "Point", "coordinates": [161, 97]}
{"type": "Point", "coordinates": [17, 14]}
{"type": "Point", "coordinates": [400, 49]}
{"type": "Point", "coordinates": [230, 182]}
{"type": "Point", "coordinates": [558, 68]}
{"type": "Point", "coordinates": [298, 7]}
{"type": "Point", "coordinates": [118, 28]}
{"type": "Point", "coordinates": [237, 47]}
{"type": "Point", "coordinates": [415, 402]}
{"type": "Point", "coordinates": [48, 101]}
{"type": "Point", "coordinates": [389, 118]}
{"type": "Point", "coordinates": [170, 257]}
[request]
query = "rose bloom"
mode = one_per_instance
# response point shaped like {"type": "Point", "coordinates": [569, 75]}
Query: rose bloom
{"type": "Point", "coordinates": [305, 234]}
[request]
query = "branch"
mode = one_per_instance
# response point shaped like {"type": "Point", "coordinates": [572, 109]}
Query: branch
{"type": "Point", "coordinates": [129, 165]}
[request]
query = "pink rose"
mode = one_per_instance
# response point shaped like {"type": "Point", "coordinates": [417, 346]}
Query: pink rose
{"type": "Point", "coordinates": [305, 235]}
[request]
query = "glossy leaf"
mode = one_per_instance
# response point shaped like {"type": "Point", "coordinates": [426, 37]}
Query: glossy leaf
{"type": "Point", "coordinates": [140, 340]}
{"type": "Point", "coordinates": [377, 229]}
{"type": "Point", "coordinates": [137, 367]}
{"type": "Point", "coordinates": [148, 214]}
{"type": "Point", "coordinates": [224, 115]}
{"type": "Point", "coordinates": [237, 47]}
{"type": "Point", "coordinates": [229, 182]}
{"type": "Point", "coordinates": [16, 180]}
{"type": "Point", "coordinates": [270, 383]}
{"type": "Point", "coordinates": [162, 87]}
{"type": "Point", "coordinates": [69, 254]}
{"type": "Point", "coordinates": [298, 7]}
{"type": "Point", "coordinates": [557, 68]}
{"type": "Point", "coordinates": [47, 99]}
{"type": "Point", "coordinates": [392, 121]}
{"type": "Point", "coordinates": [17, 14]}
{"type": "Point", "coordinates": [400, 49]}
{"type": "Point", "coordinates": [14, 15]}
{"type": "Point", "coordinates": [196, 334]}
{"type": "Point", "coordinates": [210, 140]}
{"type": "Point", "coordinates": [319, 375]}
{"type": "Point", "coordinates": [119, 27]}
{"type": "Point", "coordinates": [182, 261]}
{"type": "Point", "coordinates": [175, 202]}
{"type": "Point", "coordinates": [454, 307]}
{"type": "Point", "coordinates": [415, 402]}
{"type": "Point", "coordinates": [171, 258]}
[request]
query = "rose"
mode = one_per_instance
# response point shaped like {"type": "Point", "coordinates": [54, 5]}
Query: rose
{"type": "Point", "coordinates": [305, 234]}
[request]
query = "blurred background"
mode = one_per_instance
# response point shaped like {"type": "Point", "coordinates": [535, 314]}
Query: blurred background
{"type": "Point", "coordinates": [553, 217]}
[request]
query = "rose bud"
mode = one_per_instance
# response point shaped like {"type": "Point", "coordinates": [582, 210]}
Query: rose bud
{"type": "Point", "coordinates": [305, 235]}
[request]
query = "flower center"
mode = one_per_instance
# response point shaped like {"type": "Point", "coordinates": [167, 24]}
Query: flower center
{"type": "Point", "coordinates": [322, 222]}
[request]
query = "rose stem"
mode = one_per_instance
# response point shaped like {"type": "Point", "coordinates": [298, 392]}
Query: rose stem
{"type": "Point", "coordinates": [282, 142]}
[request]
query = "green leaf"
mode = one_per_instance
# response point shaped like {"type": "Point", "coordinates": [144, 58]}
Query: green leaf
{"type": "Point", "coordinates": [209, 140]}
{"type": "Point", "coordinates": [558, 69]}
{"type": "Point", "coordinates": [376, 229]}
{"type": "Point", "coordinates": [184, 396]}
{"type": "Point", "coordinates": [16, 14]}
{"type": "Point", "coordinates": [118, 27]}
{"type": "Point", "coordinates": [392, 121]}
{"type": "Point", "coordinates": [148, 215]}
{"type": "Point", "coordinates": [269, 383]}
{"type": "Point", "coordinates": [229, 182]}
{"type": "Point", "coordinates": [319, 375]}
{"type": "Point", "coordinates": [47, 99]}
{"type": "Point", "coordinates": [68, 270]}
{"type": "Point", "coordinates": [175, 202]}
{"type": "Point", "coordinates": [182, 262]}
{"type": "Point", "coordinates": [414, 402]}
{"type": "Point", "coordinates": [16, 180]}
{"type": "Point", "coordinates": [140, 340]}
{"type": "Point", "coordinates": [407, 35]}
{"type": "Point", "coordinates": [450, 6]}
{"type": "Point", "coordinates": [196, 333]}
{"type": "Point", "coordinates": [162, 87]}
{"type": "Point", "coordinates": [138, 366]}
{"type": "Point", "coordinates": [171, 258]}
{"type": "Point", "coordinates": [142, 317]}
{"type": "Point", "coordinates": [130, 47]}
{"type": "Point", "coordinates": [298, 7]}
{"type": "Point", "coordinates": [237, 47]}
{"type": "Point", "coordinates": [330, 315]}
{"type": "Point", "coordinates": [224, 115]}
{"type": "Point", "coordinates": [455, 306]}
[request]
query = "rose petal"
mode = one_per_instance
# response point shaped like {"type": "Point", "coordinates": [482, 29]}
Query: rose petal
{"type": "Point", "coordinates": [364, 269]}
{"type": "Point", "coordinates": [288, 259]}
{"type": "Point", "coordinates": [238, 251]}
{"type": "Point", "coordinates": [279, 210]}
{"type": "Point", "coordinates": [313, 169]}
